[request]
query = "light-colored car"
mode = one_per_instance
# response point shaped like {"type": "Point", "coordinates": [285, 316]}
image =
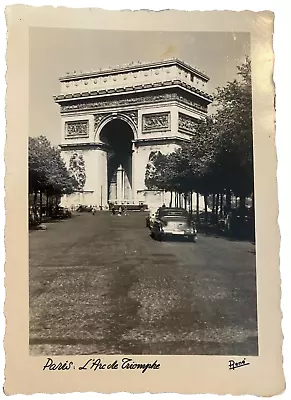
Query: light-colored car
{"type": "Point", "coordinates": [173, 222]}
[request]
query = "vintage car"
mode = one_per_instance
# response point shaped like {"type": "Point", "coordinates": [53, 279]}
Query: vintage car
{"type": "Point", "coordinates": [61, 212]}
{"type": "Point", "coordinates": [236, 223]}
{"type": "Point", "coordinates": [173, 222]}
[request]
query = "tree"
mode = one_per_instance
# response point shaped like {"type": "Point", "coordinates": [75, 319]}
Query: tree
{"type": "Point", "coordinates": [159, 172]}
{"type": "Point", "coordinates": [185, 169]}
{"type": "Point", "coordinates": [47, 171]}
{"type": "Point", "coordinates": [218, 160]}
{"type": "Point", "coordinates": [154, 170]}
{"type": "Point", "coordinates": [233, 127]}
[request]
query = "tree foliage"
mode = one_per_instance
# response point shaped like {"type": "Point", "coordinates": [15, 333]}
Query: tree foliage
{"type": "Point", "coordinates": [233, 125]}
{"type": "Point", "coordinates": [219, 156]}
{"type": "Point", "coordinates": [46, 168]}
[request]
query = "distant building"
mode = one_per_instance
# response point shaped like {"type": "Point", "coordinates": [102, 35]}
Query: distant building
{"type": "Point", "coordinates": [113, 119]}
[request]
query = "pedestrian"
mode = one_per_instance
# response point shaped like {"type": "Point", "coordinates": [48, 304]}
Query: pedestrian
{"type": "Point", "coordinates": [164, 205]}
{"type": "Point", "coordinates": [122, 208]}
{"type": "Point", "coordinates": [93, 210]}
{"type": "Point", "coordinates": [119, 211]}
{"type": "Point", "coordinates": [113, 210]}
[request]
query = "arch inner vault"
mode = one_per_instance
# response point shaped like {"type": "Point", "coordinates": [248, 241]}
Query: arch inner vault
{"type": "Point", "coordinates": [118, 137]}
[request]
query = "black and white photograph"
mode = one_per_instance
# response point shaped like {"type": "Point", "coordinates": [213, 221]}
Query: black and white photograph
{"type": "Point", "coordinates": [142, 242]}
{"type": "Point", "coordinates": [141, 193]}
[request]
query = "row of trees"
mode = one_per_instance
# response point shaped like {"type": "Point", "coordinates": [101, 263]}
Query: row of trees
{"type": "Point", "coordinates": [49, 178]}
{"type": "Point", "coordinates": [218, 161]}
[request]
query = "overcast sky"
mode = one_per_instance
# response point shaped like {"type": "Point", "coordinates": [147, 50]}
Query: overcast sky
{"type": "Point", "coordinates": [53, 52]}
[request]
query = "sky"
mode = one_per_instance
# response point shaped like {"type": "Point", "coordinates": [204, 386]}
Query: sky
{"type": "Point", "coordinates": [55, 51]}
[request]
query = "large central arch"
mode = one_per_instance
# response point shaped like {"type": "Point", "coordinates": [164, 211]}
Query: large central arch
{"type": "Point", "coordinates": [118, 135]}
{"type": "Point", "coordinates": [113, 119]}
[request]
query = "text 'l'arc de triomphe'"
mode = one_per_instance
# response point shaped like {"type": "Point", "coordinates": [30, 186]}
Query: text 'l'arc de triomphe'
{"type": "Point", "coordinates": [113, 119]}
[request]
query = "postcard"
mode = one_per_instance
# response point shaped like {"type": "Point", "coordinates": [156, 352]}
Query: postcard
{"type": "Point", "coordinates": [141, 203]}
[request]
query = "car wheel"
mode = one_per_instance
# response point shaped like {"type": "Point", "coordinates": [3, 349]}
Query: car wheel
{"type": "Point", "coordinates": [159, 237]}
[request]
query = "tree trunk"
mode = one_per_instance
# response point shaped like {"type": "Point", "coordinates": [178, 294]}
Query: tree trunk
{"type": "Point", "coordinates": [242, 204]}
{"type": "Point", "coordinates": [34, 200]}
{"type": "Point", "coordinates": [228, 200]}
{"type": "Point", "coordinates": [205, 208]}
{"type": "Point", "coordinates": [47, 204]}
{"type": "Point", "coordinates": [191, 202]}
{"type": "Point", "coordinates": [216, 203]}
{"type": "Point", "coordinates": [197, 207]}
{"type": "Point", "coordinates": [221, 204]}
{"type": "Point", "coordinates": [171, 198]}
{"type": "Point", "coordinates": [40, 206]}
{"type": "Point", "coordinates": [213, 203]}
{"type": "Point", "coordinates": [34, 206]}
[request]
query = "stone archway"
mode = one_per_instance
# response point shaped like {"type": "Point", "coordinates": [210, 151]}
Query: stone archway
{"type": "Point", "coordinates": [107, 114]}
{"type": "Point", "coordinates": [117, 135]}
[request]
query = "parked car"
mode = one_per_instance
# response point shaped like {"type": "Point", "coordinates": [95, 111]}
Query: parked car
{"type": "Point", "coordinates": [83, 208]}
{"type": "Point", "coordinates": [173, 222]}
{"type": "Point", "coordinates": [237, 224]}
{"type": "Point", "coordinates": [61, 212]}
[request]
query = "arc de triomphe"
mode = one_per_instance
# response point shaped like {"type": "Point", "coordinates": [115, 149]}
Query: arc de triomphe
{"type": "Point", "coordinates": [114, 118]}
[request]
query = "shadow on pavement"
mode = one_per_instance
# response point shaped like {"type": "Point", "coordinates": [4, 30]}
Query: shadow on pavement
{"type": "Point", "coordinates": [214, 231]}
{"type": "Point", "coordinates": [178, 239]}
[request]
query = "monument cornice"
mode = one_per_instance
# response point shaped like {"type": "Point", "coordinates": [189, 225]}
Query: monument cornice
{"type": "Point", "coordinates": [142, 88]}
{"type": "Point", "coordinates": [133, 67]}
{"type": "Point", "coordinates": [159, 140]}
{"type": "Point", "coordinates": [84, 146]}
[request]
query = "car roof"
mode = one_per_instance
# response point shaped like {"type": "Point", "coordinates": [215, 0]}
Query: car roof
{"type": "Point", "coordinates": [172, 209]}
{"type": "Point", "coordinates": [175, 212]}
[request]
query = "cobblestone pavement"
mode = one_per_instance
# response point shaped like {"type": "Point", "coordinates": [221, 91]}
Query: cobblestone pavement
{"type": "Point", "coordinates": [100, 285]}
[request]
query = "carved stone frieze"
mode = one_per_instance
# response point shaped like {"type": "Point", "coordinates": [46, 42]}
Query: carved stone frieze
{"type": "Point", "coordinates": [156, 121]}
{"type": "Point", "coordinates": [99, 118]}
{"type": "Point", "coordinates": [93, 104]}
{"type": "Point", "coordinates": [76, 129]}
{"type": "Point", "coordinates": [77, 169]}
{"type": "Point", "coordinates": [119, 102]}
{"type": "Point", "coordinates": [186, 123]}
{"type": "Point", "coordinates": [133, 115]}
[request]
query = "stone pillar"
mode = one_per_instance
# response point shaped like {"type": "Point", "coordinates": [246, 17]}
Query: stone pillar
{"type": "Point", "coordinates": [133, 173]}
{"type": "Point", "coordinates": [123, 185]}
{"type": "Point", "coordinates": [119, 183]}
{"type": "Point", "coordinates": [99, 173]}
{"type": "Point", "coordinates": [174, 121]}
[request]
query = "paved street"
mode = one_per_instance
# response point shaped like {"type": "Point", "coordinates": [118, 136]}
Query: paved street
{"type": "Point", "coordinates": [100, 285]}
